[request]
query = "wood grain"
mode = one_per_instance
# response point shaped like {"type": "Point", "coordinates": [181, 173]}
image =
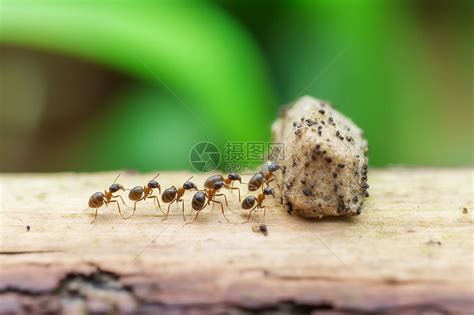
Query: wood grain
{"type": "Point", "coordinates": [410, 251]}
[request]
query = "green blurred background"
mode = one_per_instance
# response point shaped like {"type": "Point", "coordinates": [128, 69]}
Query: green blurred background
{"type": "Point", "coordinates": [89, 86]}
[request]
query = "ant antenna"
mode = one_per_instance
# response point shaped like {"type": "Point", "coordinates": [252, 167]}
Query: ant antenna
{"type": "Point", "coordinates": [117, 178]}
{"type": "Point", "coordinates": [156, 176]}
{"type": "Point", "coordinates": [190, 178]}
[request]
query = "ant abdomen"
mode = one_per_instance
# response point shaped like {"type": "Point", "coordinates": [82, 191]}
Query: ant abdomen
{"type": "Point", "coordinates": [96, 200]}
{"type": "Point", "coordinates": [199, 201]}
{"type": "Point", "coordinates": [136, 193]}
{"type": "Point", "coordinates": [249, 202]}
{"type": "Point", "coordinates": [211, 180]}
{"type": "Point", "coordinates": [256, 181]}
{"type": "Point", "coordinates": [169, 194]}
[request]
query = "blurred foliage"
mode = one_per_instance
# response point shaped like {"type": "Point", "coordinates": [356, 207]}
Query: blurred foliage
{"type": "Point", "coordinates": [219, 70]}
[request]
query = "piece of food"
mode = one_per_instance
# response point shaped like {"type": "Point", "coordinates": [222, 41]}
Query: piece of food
{"type": "Point", "coordinates": [325, 160]}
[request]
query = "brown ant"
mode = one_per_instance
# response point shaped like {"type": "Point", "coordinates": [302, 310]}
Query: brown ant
{"type": "Point", "coordinates": [253, 203]}
{"type": "Point", "coordinates": [98, 199]}
{"type": "Point", "coordinates": [170, 195]}
{"type": "Point", "coordinates": [228, 182]}
{"type": "Point", "coordinates": [139, 193]}
{"type": "Point", "coordinates": [265, 176]}
{"type": "Point", "coordinates": [204, 198]}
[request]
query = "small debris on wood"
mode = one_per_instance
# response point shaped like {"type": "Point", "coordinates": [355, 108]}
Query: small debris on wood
{"type": "Point", "coordinates": [260, 228]}
{"type": "Point", "coordinates": [464, 211]}
{"type": "Point", "coordinates": [27, 228]}
{"type": "Point", "coordinates": [431, 242]}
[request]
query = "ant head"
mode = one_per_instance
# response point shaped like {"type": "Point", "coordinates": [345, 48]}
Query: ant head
{"type": "Point", "coordinates": [153, 184]}
{"type": "Point", "coordinates": [217, 185]}
{"type": "Point", "coordinates": [273, 167]}
{"type": "Point", "coordinates": [269, 191]}
{"type": "Point", "coordinates": [116, 187]}
{"type": "Point", "coordinates": [189, 185]}
{"type": "Point", "coordinates": [235, 176]}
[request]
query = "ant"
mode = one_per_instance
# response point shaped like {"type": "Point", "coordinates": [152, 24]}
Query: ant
{"type": "Point", "coordinates": [203, 198]}
{"type": "Point", "coordinates": [139, 193]}
{"type": "Point", "coordinates": [265, 176]}
{"type": "Point", "coordinates": [253, 203]}
{"type": "Point", "coordinates": [170, 195]}
{"type": "Point", "coordinates": [228, 182]}
{"type": "Point", "coordinates": [98, 199]}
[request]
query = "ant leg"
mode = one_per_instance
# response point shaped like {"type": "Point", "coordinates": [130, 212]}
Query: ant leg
{"type": "Point", "coordinates": [184, 218]}
{"type": "Point", "coordinates": [269, 181]}
{"type": "Point", "coordinates": [222, 209]}
{"type": "Point", "coordinates": [168, 212]}
{"type": "Point", "coordinates": [118, 196]}
{"type": "Point", "coordinates": [276, 181]}
{"type": "Point", "coordinates": [264, 211]}
{"type": "Point", "coordinates": [95, 216]}
{"type": "Point", "coordinates": [194, 217]}
{"type": "Point", "coordinates": [135, 206]}
{"type": "Point", "coordinates": [118, 206]}
{"type": "Point", "coordinates": [155, 198]}
{"type": "Point", "coordinates": [250, 213]}
{"type": "Point", "coordinates": [238, 189]}
{"type": "Point", "coordinates": [225, 198]}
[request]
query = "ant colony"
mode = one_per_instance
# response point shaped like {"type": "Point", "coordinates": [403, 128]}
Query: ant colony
{"type": "Point", "coordinates": [212, 193]}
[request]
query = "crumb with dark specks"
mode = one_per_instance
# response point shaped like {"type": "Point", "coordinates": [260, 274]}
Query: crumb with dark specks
{"type": "Point", "coordinates": [322, 170]}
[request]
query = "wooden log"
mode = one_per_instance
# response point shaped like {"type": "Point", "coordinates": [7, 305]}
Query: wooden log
{"type": "Point", "coordinates": [410, 251]}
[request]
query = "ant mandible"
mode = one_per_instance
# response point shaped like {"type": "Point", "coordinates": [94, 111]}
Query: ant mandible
{"type": "Point", "coordinates": [204, 198]}
{"type": "Point", "coordinates": [228, 182]}
{"type": "Point", "coordinates": [170, 195]}
{"type": "Point", "coordinates": [139, 193]}
{"type": "Point", "coordinates": [253, 203]}
{"type": "Point", "coordinates": [98, 199]}
{"type": "Point", "coordinates": [265, 176]}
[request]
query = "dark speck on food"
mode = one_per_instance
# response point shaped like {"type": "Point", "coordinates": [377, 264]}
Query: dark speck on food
{"type": "Point", "coordinates": [464, 210]}
{"type": "Point", "coordinates": [328, 159]}
{"type": "Point", "coordinates": [307, 192]}
{"type": "Point", "coordinates": [27, 228]}
{"type": "Point", "coordinates": [340, 165]}
{"type": "Point", "coordinates": [322, 111]}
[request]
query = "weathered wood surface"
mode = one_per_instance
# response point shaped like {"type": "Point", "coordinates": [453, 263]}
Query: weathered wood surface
{"type": "Point", "coordinates": [410, 251]}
